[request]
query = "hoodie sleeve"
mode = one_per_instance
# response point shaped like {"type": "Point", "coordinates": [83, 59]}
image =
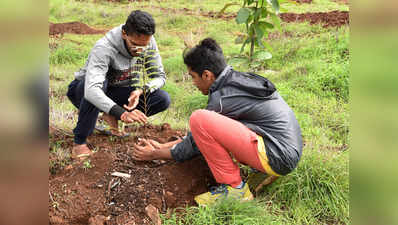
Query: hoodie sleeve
{"type": "Point", "coordinates": [97, 68]}
{"type": "Point", "coordinates": [155, 69]}
{"type": "Point", "coordinates": [185, 150]}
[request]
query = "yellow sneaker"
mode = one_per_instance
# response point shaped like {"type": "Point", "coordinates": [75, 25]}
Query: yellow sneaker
{"type": "Point", "coordinates": [224, 191]}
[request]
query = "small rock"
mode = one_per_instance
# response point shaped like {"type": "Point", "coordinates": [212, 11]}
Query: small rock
{"type": "Point", "coordinates": [140, 187]}
{"type": "Point", "coordinates": [153, 213]}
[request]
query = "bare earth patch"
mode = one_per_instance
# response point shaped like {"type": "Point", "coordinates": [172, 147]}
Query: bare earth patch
{"type": "Point", "coordinates": [328, 19]}
{"type": "Point", "coordinates": [72, 27]}
{"type": "Point", "coordinates": [82, 195]}
{"type": "Point", "coordinates": [334, 18]}
{"type": "Point", "coordinates": [346, 2]}
{"type": "Point", "coordinates": [303, 1]}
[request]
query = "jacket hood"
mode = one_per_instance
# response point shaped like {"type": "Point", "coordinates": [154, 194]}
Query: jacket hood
{"type": "Point", "coordinates": [250, 83]}
{"type": "Point", "coordinates": [114, 36]}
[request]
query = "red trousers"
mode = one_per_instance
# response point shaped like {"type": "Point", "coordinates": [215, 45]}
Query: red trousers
{"type": "Point", "coordinates": [217, 137]}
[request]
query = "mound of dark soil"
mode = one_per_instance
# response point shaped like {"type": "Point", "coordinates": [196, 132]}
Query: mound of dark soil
{"type": "Point", "coordinates": [346, 2]}
{"type": "Point", "coordinates": [72, 27]}
{"type": "Point", "coordinates": [84, 192]}
{"type": "Point", "coordinates": [303, 1]}
{"type": "Point", "coordinates": [334, 18]}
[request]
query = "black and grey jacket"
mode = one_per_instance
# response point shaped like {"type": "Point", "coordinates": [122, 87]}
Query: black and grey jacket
{"type": "Point", "coordinates": [254, 101]}
{"type": "Point", "coordinates": [109, 60]}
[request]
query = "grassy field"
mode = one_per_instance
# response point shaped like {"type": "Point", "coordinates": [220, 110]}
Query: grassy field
{"type": "Point", "coordinates": [310, 68]}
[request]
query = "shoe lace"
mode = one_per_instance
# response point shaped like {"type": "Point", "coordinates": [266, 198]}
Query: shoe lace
{"type": "Point", "coordinates": [221, 189]}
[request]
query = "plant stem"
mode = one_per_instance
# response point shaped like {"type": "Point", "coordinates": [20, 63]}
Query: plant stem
{"type": "Point", "coordinates": [251, 48]}
{"type": "Point", "coordinates": [253, 36]}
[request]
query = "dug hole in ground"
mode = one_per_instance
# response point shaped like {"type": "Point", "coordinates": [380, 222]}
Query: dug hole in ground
{"type": "Point", "coordinates": [87, 193]}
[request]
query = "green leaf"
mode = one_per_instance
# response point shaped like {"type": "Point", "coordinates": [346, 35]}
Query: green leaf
{"type": "Point", "coordinates": [242, 16]}
{"type": "Point", "coordinates": [238, 61]}
{"type": "Point", "coordinates": [259, 42]}
{"type": "Point", "coordinates": [263, 3]}
{"type": "Point", "coordinates": [277, 21]}
{"type": "Point", "coordinates": [262, 55]}
{"type": "Point", "coordinates": [275, 5]}
{"type": "Point", "coordinates": [252, 30]}
{"type": "Point", "coordinates": [249, 2]}
{"type": "Point", "coordinates": [255, 64]}
{"type": "Point", "coordinates": [264, 12]}
{"type": "Point", "coordinates": [265, 25]}
{"type": "Point", "coordinates": [259, 31]}
{"type": "Point", "coordinates": [257, 14]}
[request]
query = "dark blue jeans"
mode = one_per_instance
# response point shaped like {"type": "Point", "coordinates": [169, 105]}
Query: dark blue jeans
{"type": "Point", "coordinates": [156, 102]}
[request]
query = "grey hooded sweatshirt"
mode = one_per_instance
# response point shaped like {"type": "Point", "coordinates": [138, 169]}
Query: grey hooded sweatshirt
{"type": "Point", "coordinates": [254, 101]}
{"type": "Point", "coordinates": [109, 63]}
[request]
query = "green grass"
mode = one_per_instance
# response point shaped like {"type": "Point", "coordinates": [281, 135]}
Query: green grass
{"type": "Point", "coordinates": [310, 68]}
{"type": "Point", "coordinates": [316, 193]}
{"type": "Point", "coordinates": [59, 156]}
{"type": "Point", "coordinates": [228, 211]}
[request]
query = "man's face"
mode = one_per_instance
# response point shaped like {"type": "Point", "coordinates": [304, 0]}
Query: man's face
{"type": "Point", "coordinates": [136, 43]}
{"type": "Point", "coordinates": [202, 82]}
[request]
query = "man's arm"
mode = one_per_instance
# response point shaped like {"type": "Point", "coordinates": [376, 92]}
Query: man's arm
{"type": "Point", "coordinates": [97, 68]}
{"type": "Point", "coordinates": [179, 150]}
{"type": "Point", "coordinates": [153, 150]}
{"type": "Point", "coordinates": [185, 150]}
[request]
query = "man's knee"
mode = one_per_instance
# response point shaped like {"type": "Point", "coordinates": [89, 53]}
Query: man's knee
{"type": "Point", "coordinates": [71, 89]}
{"type": "Point", "coordinates": [164, 100]}
{"type": "Point", "coordinates": [198, 117]}
{"type": "Point", "coordinates": [71, 93]}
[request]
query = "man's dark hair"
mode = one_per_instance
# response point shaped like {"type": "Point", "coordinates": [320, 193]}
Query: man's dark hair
{"type": "Point", "coordinates": [139, 22]}
{"type": "Point", "coordinates": [207, 55]}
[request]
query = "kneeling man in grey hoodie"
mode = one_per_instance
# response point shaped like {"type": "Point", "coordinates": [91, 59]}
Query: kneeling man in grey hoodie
{"type": "Point", "coordinates": [110, 80]}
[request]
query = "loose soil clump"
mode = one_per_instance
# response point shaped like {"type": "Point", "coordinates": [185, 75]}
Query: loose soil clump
{"type": "Point", "coordinates": [86, 192]}
{"type": "Point", "coordinates": [73, 28]}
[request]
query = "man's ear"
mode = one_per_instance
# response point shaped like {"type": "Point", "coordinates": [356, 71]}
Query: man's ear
{"type": "Point", "coordinates": [124, 34]}
{"type": "Point", "coordinates": [208, 75]}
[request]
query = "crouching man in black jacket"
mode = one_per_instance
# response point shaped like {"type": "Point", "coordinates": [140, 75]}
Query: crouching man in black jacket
{"type": "Point", "coordinates": [245, 118]}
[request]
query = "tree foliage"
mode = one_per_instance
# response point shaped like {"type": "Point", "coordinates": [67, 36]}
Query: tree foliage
{"type": "Point", "coordinates": [259, 16]}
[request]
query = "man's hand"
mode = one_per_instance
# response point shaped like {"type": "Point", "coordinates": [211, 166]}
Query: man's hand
{"type": "Point", "coordinates": [133, 116]}
{"type": "Point", "coordinates": [133, 99]}
{"type": "Point", "coordinates": [156, 144]}
{"type": "Point", "coordinates": [146, 152]}
{"type": "Point", "coordinates": [153, 150]}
